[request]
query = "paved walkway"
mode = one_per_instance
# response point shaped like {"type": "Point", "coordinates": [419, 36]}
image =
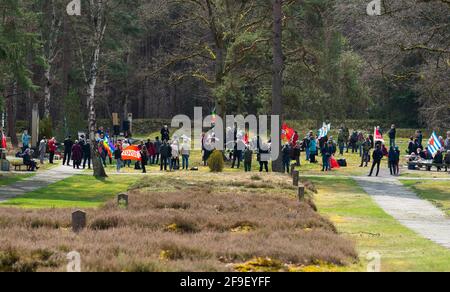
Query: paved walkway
{"type": "Point", "coordinates": [418, 215]}
{"type": "Point", "coordinates": [40, 180]}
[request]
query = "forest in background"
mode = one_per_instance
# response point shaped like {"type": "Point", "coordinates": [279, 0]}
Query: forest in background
{"type": "Point", "coordinates": [158, 58]}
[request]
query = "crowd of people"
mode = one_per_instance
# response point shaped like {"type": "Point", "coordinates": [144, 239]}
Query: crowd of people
{"type": "Point", "coordinates": [174, 153]}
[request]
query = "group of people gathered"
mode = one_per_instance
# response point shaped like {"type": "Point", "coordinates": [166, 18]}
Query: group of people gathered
{"type": "Point", "coordinates": [418, 153]}
{"type": "Point", "coordinates": [169, 154]}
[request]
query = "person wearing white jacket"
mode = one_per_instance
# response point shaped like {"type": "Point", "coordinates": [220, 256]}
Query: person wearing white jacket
{"type": "Point", "coordinates": [185, 153]}
{"type": "Point", "coordinates": [175, 163]}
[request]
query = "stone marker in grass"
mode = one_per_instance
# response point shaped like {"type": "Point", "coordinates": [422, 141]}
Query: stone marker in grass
{"type": "Point", "coordinates": [301, 192]}
{"type": "Point", "coordinates": [122, 199]}
{"type": "Point", "coordinates": [296, 177]}
{"type": "Point", "coordinates": [78, 220]}
{"type": "Point", "coordinates": [292, 170]}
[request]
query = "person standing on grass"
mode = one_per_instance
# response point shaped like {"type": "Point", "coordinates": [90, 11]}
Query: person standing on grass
{"type": "Point", "coordinates": [165, 155]}
{"type": "Point", "coordinates": [157, 150]}
{"type": "Point", "coordinates": [263, 155]}
{"type": "Point", "coordinates": [118, 156]}
{"type": "Point", "coordinates": [248, 157]}
{"type": "Point", "coordinates": [392, 136]}
{"type": "Point", "coordinates": [185, 153]}
{"type": "Point", "coordinates": [51, 149]}
{"type": "Point", "coordinates": [366, 146]}
{"type": "Point", "coordinates": [397, 159]}
{"type": "Point", "coordinates": [42, 150]}
{"type": "Point", "coordinates": [175, 161]}
{"type": "Point", "coordinates": [392, 158]}
{"type": "Point", "coordinates": [297, 152]}
{"type": "Point", "coordinates": [86, 147]}
{"type": "Point", "coordinates": [312, 149]}
{"type": "Point", "coordinates": [77, 154]}
{"type": "Point", "coordinates": [377, 156]}
{"type": "Point", "coordinates": [306, 142]}
{"type": "Point", "coordinates": [286, 153]}
{"type": "Point", "coordinates": [326, 155]}
{"type": "Point", "coordinates": [165, 133]}
{"type": "Point", "coordinates": [68, 144]}
{"type": "Point", "coordinates": [144, 158]}
{"type": "Point", "coordinates": [125, 145]}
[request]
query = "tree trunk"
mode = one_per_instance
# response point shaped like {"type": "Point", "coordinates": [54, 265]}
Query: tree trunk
{"type": "Point", "coordinates": [277, 75]}
{"type": "Point", "coordinates": [99, 170]}
{"type": "Point", "coordinates": [12, 112]}
{"type": "Point", "coordinates": [47, 93]}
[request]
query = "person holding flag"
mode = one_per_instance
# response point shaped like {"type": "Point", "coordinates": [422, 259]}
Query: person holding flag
{"type": "Point", "coordinates": [434, 145]}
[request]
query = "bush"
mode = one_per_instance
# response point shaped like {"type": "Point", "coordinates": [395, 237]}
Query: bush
{"type": "Point", "coordinates": [216, 162]}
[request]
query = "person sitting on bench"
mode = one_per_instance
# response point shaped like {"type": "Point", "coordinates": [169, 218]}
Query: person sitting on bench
{"type": "Point", "coordinates": [28, 160]}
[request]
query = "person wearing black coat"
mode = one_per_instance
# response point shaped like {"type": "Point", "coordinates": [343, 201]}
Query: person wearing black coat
{"type": "Point", "coordinates": [377, 157]}
{"type": "Point", "coordinates": [68, 144]}
{"type": "Point", "coordinates": [438, 159]}
{"type": "Point", "coordinates": [392, 136]}
{"type": "Point", "coordinates": [165, 133]}
{"type": "Point", "coordinates": [86, 147]}
{"type": "Point", "coordinates": [144, 158]}
{"type": "Point", "coordinates": [166, 153]}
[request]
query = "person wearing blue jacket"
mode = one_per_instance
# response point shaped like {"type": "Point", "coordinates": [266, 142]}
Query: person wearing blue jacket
{"type": "Point", "coordinates": [312, 149]}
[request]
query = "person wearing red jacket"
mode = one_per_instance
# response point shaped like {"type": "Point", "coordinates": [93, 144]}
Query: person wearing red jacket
{"type": "Point", "coordinates": [52, 149]}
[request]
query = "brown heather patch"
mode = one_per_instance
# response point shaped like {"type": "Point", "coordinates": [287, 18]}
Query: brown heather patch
{"type": "Point", "coordinates": [198, 226]}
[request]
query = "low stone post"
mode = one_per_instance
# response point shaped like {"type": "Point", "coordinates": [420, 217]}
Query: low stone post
{"type": "Point", "coordinates": [301, 192]}
{"type": "Point", "coordinates": [296, 177]}
{"type": "Point", "coordinates": [78, 221]}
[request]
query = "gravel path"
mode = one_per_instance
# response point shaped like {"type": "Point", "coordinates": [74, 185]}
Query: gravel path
{"type": "Point", "coordinates": [405, 206]}
{"type": "Point", "coordinates": [40, 180]}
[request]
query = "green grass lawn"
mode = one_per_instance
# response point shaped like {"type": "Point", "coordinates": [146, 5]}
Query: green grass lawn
{"type": "Point", "coordinates": [357, 216]}
{"type": "Point", "coordinates": [80, 191]}
{"type": "Point", "coordinates": [7, 179]}
{"type": "Point", "coordinates": [437, 192]}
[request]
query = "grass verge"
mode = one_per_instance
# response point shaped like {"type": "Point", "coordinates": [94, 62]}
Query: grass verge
{"type": "Point", "coordinates": [356, 215]}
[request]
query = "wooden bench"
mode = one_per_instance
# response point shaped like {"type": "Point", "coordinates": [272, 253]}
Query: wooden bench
{"type": "Point", "coordinates": [18, 165]}
{"type": "Point", "coordinates": [428, 166]}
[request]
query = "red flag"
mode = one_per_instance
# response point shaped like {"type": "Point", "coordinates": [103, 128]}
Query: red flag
{"type": "Point", "coordinates": [378, 136]}
{"type": "Point", "coordinates": [287, 133]}
{"type": "Point", "coordinates": [3, 141]}
{"type": "Point", "coordinates": [246, 138]}
{"type": "Point", "coordinates": [131, 153]}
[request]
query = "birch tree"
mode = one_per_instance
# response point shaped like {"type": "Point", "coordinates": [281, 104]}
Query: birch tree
{"type": "Point", "coordinates": [90, 39]}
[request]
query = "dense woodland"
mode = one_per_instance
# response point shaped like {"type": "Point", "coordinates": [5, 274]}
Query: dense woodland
{"type": "Point", "coordinates": [159, 58]}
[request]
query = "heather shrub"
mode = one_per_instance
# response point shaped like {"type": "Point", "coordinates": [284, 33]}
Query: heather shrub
{"type": "Point", "coordinates": [216, 162]}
